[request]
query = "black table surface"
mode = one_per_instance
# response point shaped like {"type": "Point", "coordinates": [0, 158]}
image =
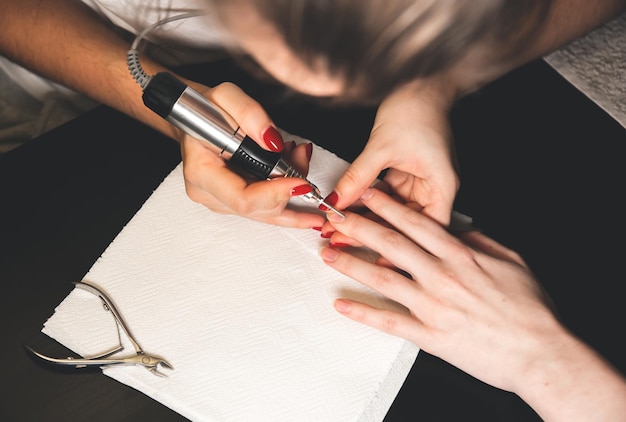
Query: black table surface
{"type": "Point", "coordinates": [541, 172]}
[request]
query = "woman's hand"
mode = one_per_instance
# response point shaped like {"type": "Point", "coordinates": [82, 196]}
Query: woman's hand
{"type": "Point", "coordinates": [469, 301]}
{"type": "Point", "coordinates": [209, 181]}
{"type": "Point", "coordinates": [475, 304]}
{"type": "Point", "coordinates": [411, 137]}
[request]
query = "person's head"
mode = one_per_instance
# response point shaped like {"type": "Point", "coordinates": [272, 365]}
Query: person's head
{"type": "Point", "coordinates": [362, 49]}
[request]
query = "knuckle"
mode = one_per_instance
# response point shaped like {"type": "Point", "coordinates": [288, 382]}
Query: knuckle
{"type": "Point", "coordinates": [382, 278]}
{"type": "Point", "coordinates": [242, 205]}
{"type": "Point", "coordinates": [391, 239]}
{"type": "Point", "coordinates": [461, 252]}
{"type": "Point", "coordinates": [192, 194]}
{"type": "Point", "coordinates": [389, 323]}
{"type": "Point", "coordinates": [352, 176]}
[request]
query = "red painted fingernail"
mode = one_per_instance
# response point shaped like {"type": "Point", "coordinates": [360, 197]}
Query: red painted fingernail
{"type": "Point", "coordinates": [327, 234]}
{"type": "Point", "coordinates": [318, 228]}
{"type": "Point", "coordinates": [339, 245]}
{"type": "Point", "coordinates": [309, 151]}
{"type": "Point", "coordinates": [273, 140]}
{"type": "Point", "coordinates": [331, 200]}
{"type": "Point", "coordinates": [301, 190]}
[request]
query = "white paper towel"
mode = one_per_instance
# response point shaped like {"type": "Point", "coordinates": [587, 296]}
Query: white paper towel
{"type": "Point", "coordinates": [242, 310]}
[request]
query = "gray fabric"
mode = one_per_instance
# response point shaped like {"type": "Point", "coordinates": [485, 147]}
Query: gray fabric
{"type": "Point", "coordinates": [596, 65]}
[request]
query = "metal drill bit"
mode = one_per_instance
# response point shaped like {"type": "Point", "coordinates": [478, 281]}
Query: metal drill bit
{"type": "Point", "coordinates": [316, 196]}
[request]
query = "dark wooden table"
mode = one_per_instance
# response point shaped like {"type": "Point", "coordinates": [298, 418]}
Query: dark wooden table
{"type": "Point", "coordinates": [542, 172]}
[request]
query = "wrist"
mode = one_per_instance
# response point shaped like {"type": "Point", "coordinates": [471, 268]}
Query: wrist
{"type": "Point", "coordinates": [570, 381]}
{"type": "Point", "coordinates": [440, 91]}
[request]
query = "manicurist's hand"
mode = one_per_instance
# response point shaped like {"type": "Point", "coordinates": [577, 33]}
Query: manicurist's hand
{"type": "Point", "coordinates": [477, 305]}
{"type": "Point", "coordinates": [209, 181]}
{"type": "Point", "coordinates": [411, 137]}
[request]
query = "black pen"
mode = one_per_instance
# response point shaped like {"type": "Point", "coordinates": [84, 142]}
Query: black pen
{"type": "Point", "coordinates": [193, 113]}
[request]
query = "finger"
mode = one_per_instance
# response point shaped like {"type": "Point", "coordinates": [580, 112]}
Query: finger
{"type": "Point", "coordinates": [419, 228]}
{"type": "Point", "coordinates": [362, 173]}
{"type": "Point", "coordinates": [417, 250]}
{"type": "Point", "coordinates": [380, 278]}
{"type": "Point", "coordinates": [249, 115]}
{"type": "Point", "coordinates": [395, 247]}
{"type": "Point", "coordinates": [210, 182]}
{"type": "Point", "coordinates": [436, 199]}
{"type": "Point", "coordinates": [391, 322]}
{"type": "Point", "coordinates": [490, 247]}
{"type": "Point", "coordinates": [300, 156]}
{"type": "Point", "coordinates": [339, 239]}
{"type": "Point", "coordinates": [285, 217]}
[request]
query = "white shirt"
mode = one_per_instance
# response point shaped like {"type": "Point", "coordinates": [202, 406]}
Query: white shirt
{"type": "Point", "coordinates": [179, 42]}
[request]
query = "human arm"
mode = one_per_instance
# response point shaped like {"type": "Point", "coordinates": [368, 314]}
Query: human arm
{"type": "Point", "coordinates": [477, 305]}
{"type": "Point", "coordinates": [422, 152]}
{"type": "Point", "coordinates": [68, 43]}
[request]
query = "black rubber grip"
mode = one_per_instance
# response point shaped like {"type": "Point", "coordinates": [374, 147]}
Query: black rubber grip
{"type": "Point", "coordinates": [162, 92]}
{"type": "Point", "coordinates": [254, 159]}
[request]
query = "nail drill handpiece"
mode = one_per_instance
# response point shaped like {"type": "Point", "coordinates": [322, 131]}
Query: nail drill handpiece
{"type": "Point", "coordinates": [191, 112]}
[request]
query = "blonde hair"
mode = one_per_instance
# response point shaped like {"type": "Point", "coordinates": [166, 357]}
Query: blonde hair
{"type": "Point", "coordinates": [377, 45]}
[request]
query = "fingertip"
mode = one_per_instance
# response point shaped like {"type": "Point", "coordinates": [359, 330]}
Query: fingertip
{"type": "Point", "coordinates": [273, 139]}
{"type": "Point", "coordinates": [329, 254]}
{"type": "Point", "coordinates": [342, 306]}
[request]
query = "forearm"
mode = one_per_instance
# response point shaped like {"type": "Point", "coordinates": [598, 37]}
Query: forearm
{"type": "Point", "coordinates": [572, 19]}
{"type": "Point", "coordinates": [566, 21]}
{"type": "Point", "coordinates": [571, 382]}
{"type": "Point", "coordinates": [66, 42]}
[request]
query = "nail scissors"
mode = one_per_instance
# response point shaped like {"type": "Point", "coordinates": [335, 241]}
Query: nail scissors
{"type": "Point", "coordinates": [148, 361]}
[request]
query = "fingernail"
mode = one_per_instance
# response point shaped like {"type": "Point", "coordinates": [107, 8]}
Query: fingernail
{"type": "Point", "coordinates": [334, 218]}
{"type": "Point", "coordinates": [329, 254]}
{"type": "Point", "coordinates": [342, 306]}
{"type": "Point", "coordinates": [318, 228]}
{"type": "Point", "coordinates": [309, 151]}
{"type": "Point", "coordinates": [367, 194]}
{"type": "Point", "coordinates": [331, 200]}
{"type": "Point", "coordinates": [327, 234]}
{"type": "Point", "coordinates": [339, 245]}
{"type": "Point", "coordinates": [301, 190]}
{"type": "Point", "coordinates": [273, 140]}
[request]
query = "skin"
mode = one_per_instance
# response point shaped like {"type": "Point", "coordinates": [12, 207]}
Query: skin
{"type": "Point", "coordinates": [414, 118]}
{"type": "Point", "coordinates": [468, 297]}
{"type": "Point", "coordinates": [417, 146]}
{"type": "Point", "coordinates": [472, 291]}
{"type": "Point", "coordinates": [58, 39]}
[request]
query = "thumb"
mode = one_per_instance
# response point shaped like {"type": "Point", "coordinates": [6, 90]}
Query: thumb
{"type": "Point", "coordinates": [360, 175]}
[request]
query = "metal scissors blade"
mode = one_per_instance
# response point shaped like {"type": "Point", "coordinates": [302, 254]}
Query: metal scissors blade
{"type": "Point", "coordinates": [150, 362]}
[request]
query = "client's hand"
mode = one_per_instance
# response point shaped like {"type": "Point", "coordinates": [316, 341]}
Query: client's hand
{"type": "Point", "coordinates": [475, 304]}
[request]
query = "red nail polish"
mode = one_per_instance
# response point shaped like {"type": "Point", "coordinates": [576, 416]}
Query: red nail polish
{"type": "Point", "coordinates": [331, 200]}
{"type": "Point", "coordinates": [319, 229]}
{"type": "Point", "coordinates": [339, 245]}
{"type": "Point", "coordinates": [301, 190]}
{"type": "Point", "coordinates": [273, 140]}
{"type": "Point", "coordinates": [327, 234]}
{"type": "Point", "coordinates": [309, 151]}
